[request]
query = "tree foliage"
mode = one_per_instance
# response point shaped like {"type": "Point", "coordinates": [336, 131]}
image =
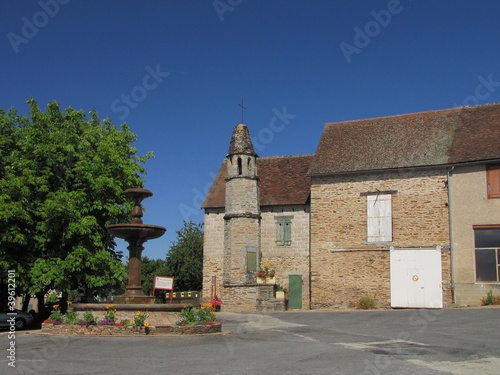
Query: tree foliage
{"type": "Point", "coordinates": [185, 258]}
{"type": "Point", "coordinates": [62, 177]}
{"type": "Point", "coordinates": [149, 269]}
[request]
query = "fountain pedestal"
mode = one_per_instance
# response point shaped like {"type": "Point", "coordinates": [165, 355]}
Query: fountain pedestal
{"type": "Point", "coordinates": [133, 292]}
{"type": "Point", "coordinates": [135, 233]}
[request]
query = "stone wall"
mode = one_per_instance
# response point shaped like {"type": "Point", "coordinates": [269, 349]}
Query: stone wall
{"type": "Point", "coordinates": [345, 267]}
{"type": "Point", "coordinates": [292, 259]}
{"type": "Point", "coordinates": [114, 330]}
{"type": "Point", "coordinates": [96, 330]}
{"type": "Point", "coordinates": [213, 251]}
{"type": "Point", "coordinates": [242, 195]}
{"type": "Point", "coordinates": [286, 260]}
{"type": "Point", "coordinates": [241, 235]}
{"type": "Point", "coordinates": [251, 298]}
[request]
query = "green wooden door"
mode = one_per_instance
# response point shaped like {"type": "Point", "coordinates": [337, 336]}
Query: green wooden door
{"type": "Point", "coordinates": [295, 296]}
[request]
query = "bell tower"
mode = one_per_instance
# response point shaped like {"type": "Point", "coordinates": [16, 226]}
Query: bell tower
{"type": "Point", "coordinates": [242, 211]}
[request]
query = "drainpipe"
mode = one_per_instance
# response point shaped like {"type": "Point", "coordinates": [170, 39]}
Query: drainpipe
{"type": "Point", "coordinates": [450, 216]}
{"type": "Point", "coordinates": [310, 256]}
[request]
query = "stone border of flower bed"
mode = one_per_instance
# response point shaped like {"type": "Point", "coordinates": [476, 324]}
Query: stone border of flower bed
{"type": "Point", "coordinates": [110, 330]}
{"type": "Point", "coordinates": [191, 330]}
{"type": "Point", "coordinates": [95, 330]}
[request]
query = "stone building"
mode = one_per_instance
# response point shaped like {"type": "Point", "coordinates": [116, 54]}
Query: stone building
{"type": "Point", "coordinates": [400, 209]}
{"type": "Point", "coordinates": [252, 199]}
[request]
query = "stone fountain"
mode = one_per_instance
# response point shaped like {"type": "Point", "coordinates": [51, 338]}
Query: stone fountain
{"type": "Point", "coordinates": [135, 233]}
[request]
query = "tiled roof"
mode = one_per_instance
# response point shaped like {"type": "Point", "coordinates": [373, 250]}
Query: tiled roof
{"type": "Point", "coordinates": [282, 180]}
{"type": "Point", "coordinates": [440, 137]}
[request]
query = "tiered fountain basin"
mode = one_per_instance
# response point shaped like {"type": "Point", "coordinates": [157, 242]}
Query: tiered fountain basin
{"type": "Point", "coordinates": [142, 232]}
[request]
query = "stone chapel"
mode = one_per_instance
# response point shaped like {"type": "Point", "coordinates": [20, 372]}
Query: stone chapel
{"type": "Point", "coordinates": [404, 210]}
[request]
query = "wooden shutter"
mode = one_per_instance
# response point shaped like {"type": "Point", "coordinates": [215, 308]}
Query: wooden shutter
{"type": "Point", "coordinates": [379, 218]}
{"type": "Point", "coordinates": [283, 232]}
{"type": "Point", "coordinates": [493, 179]}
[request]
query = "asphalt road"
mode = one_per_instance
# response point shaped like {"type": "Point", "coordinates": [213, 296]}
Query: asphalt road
{"type": "Point", "coordinates": [455, 341]}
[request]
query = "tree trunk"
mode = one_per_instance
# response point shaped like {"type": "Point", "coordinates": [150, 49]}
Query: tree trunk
{"type": "Point", "coordinates": [42, 311]}
{"type": "Point", "coordinates": [64, 302]}
{"type": "Point", "coordinates": [26, 302]}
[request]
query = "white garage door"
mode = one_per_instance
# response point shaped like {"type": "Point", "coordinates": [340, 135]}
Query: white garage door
{"type": "Point", "coordinates": [416, 279]}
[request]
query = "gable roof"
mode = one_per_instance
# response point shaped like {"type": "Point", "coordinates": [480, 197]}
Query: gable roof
{"type": "Point", "coordinates": [283, 180]}
{"type": "Point", "coordinates": [432, 138]}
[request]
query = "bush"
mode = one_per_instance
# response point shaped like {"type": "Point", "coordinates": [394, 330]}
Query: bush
{"type": "Point", "coordinates": [490, 299]}
{"type": "Point", "coordinates": [366, 303]}
{"type": "Point", "coordinates": [56, 315]}
{"type": "Point", "coordinates": [191, 316]}
{"type": "Point", "coordinates": [89, 317]}
{"type": "Point", "coordinates": [71, 316]}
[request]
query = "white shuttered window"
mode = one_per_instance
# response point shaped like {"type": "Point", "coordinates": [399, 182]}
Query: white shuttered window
{"type": "Point", "coordinates": [379, 217]}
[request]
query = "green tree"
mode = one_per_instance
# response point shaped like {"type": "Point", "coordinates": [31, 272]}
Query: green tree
{"type": "Point", "coordinates": [185, 258]}
{"type": "Point", "coordinates": [62, 178]}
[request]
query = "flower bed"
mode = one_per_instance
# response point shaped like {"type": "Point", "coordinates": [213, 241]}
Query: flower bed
{"type": "Point", "coordinates": [112, 322]}
{"type": "Point", "coordinates": [96, 330]}
{"type": "Point", "coordinates": [109, 330]}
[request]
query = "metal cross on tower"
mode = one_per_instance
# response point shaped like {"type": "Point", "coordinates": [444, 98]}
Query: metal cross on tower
{"type": "Point", "coordinates": [242, 110]}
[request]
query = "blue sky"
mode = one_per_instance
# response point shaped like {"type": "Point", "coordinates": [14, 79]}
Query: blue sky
{"type": "Point", "coordinates": [177, 70]}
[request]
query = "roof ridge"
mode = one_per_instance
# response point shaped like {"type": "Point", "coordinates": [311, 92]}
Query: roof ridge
{"type": "Point", "coordinates": [401, 115]}
{"type": "Point", "coordinates": [284, 156]}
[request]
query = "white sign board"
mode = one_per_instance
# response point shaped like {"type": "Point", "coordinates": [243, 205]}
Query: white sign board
{"type": "Point", "coordinates": [163, 282]}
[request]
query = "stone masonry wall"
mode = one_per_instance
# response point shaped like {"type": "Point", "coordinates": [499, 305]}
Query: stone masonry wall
{"type": "Point", "coordinates": [286, 260]}
{"type": "Point", "coordinates": [213, 251]}
{"type": "Point", "coordinates": [292, 259]}
{"type": "Point", "coordinates": [241, 235]}
{"type": "Point", "coordinates": [338, 222]}
{"type": "Point", "coordinates": [242, 195]}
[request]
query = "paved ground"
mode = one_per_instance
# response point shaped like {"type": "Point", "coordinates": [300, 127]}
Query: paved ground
{"type": "Point", "coordinates": [456, 341]}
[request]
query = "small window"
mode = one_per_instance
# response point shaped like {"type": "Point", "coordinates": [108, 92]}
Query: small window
{"type": "Point", "coordinates": [240, 167]}
{"type": "Point", "coordinates": [487, 253]}
{"type": "Point", "coordinates": [251, 261]}
{"type": "Point", "coordinates": [493, 181]}
{"type": "Point", "coordinates": [379, 217]}
{"type": "Point", "coordinates": [283, 232]}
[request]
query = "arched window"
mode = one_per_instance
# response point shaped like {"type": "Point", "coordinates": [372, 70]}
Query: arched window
{"type": "Point", "coordinates": [240, 167]}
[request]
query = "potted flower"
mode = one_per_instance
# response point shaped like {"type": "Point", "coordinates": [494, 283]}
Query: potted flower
{"type": "Point", "coordinates": [282, 292]}
{"type": "Point", "coordinates": [216, 304]}
{"type": "Point", "coordinates": [265, 274]}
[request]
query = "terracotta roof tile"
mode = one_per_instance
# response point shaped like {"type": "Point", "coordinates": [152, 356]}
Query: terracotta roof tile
{"type": "Point", "coordinates": [440, 137]}
{"type": "Point", "coordinates": [282, 180]}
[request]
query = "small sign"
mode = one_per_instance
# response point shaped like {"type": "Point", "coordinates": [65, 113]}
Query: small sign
{"type": "Point", "coordinates": [164, 283]}
{"type": "Point", "coordinates": [415, 278]}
